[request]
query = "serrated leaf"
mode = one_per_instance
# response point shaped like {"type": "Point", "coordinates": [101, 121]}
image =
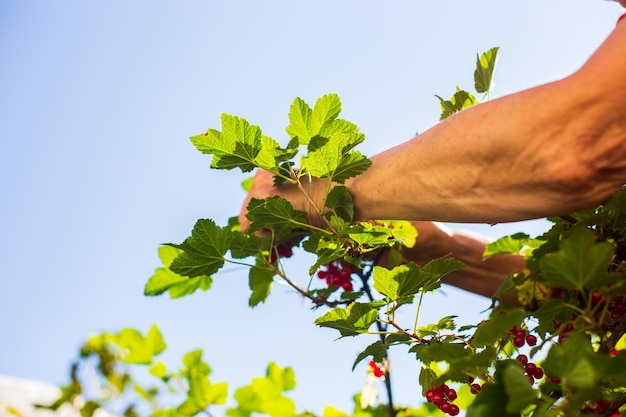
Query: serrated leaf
{"type": "Point", "coordinates": [260, 282]}
{"type": "Point", "coordinates": [266, 157]}
{"type": "Point", "coordinates": [366, 233]}
{"type": "Point", "coordinates": [437, 352]}
{"type": "Point", "coordinates": [245, 245]}
{"type": "Point", "coordinates": [490, 402]}
{"type": "Point", "coordinates": [549, 311]}
{"type": "Point", "coordinates": [517, 388]}
{"type": "Point", "coordinates": [203, 252]}
{"type": "Point", "coordinates": [511, 245]}
{"type": "Point", "coordinates": [459, 101]}
{"type": "Point", "coordinates": [410, 279]}
{"type": "Point", "coordinates": [299, 119]}
{"type": "Point", "coordinates": [305, 124]}
{"type": "Point", "coordinates": [326, 110]}
{"type": "Point", "coordinates": [190, 286]}
{"type": "Point", "coordinates": [236, 146]}
{"type": "Point", "coordinates": [403, 231]}
{"type": "Point", "coordinates": [335, 159]}
{"type": "Point", "coordinates": [485, 66]}
{"type": "Point", "coordinates": [580, 262]}
{"type": "Point", "coordinates": [275, 214]}
{"type": "Point", "coordinates": [427, 379]}
{"type": "Point", "coordinates": [349, 321]}
{"type": "Point", "coordinates": [339, 202]}
{"type": "Point", "coordinates": [163, 278]}
{"type": "Point", "coordinates": [490, 331]}
{"type": "Point", "coordinates": [376, 350]}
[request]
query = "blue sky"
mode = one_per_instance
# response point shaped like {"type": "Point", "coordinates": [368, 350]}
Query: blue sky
{"type": "Point", "coordinates": [98, 100]}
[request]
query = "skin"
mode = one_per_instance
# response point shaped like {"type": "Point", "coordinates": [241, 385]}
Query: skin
{"type": "Point", "coordinates": [568, 138]}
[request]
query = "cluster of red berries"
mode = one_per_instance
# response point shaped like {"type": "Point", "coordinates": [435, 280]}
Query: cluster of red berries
{"type": "Point", "coordinates": [520, 337]}
{"type": "Point", "coordinates": [443, 397]}
{"type": "Point", "coordinates": [532, 371]}
{"type": "Point", "coordinates": [337, 273]}
{"type": "Point", "coordinates": [376, 369]}
{"type": "Point", "coordinates": [283, 250]}
{"type": "Point", "coordinates": [474, 387]}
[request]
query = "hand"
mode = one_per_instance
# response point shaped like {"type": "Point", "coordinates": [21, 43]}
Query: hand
{"type": "Point", "coordinates": [263, 187]}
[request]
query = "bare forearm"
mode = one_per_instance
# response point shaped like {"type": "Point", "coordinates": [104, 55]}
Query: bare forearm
{"type": "Point", "coordinates": [546, 151]}
{"type": "Point", "coordinates": [480, 276]}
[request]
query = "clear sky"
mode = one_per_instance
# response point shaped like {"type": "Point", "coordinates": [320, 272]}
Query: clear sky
{"type": "Point", "coordinates": [98, 99]}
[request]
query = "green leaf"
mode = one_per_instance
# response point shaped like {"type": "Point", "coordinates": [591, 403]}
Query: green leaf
{"type": "Point", "coordinates": [236, 146]}
{"type": "Point", "coordinates": [190, 286]}
{"type": "Point", "coordinates": [436, 352]}
{"type": "Point", "coordinates": [158, 369]}
{"type": "Point", "coordinates": [403, 231]}
{"type": "Point", "coordinates": [518, 390]}
{"type": "Point", "coordinates": [368, 234]}
{"type": "Point", "coordinates": [580, 262]}
{"type": "Point", "coordinates": [305, 124]}
{"type": "Point", "coordinates": [427, 379]}
{"type": "Point", "coordinates": [551, 310]}
{"type": "Point", "coordinates": [265, 395]}
{"type": "Point", "coordinates": [275, 214]}
{"type": "Point", "coordinates": [245, 245]}
{"type": "Point", "coordinates": [459, 101]}
{"type": "Point", "coordinates": [485, 66]}
{"type": "Point", "coordinates": [260, 282]}
{"type": "Point", "coordinates": [335, 159]}
{"type": "Point", "coordinates": [498, 325]}
{"type": "Point", "coordinates": [299, 120]}
{"type": "Point", "coordinates": [410, 279]}
{"type": "Point", "coordinates": [349, 321]}
{"type": "Point", "coordinates": [376, 350]}
{"type": "Point", "coordinates": [164, 278]}
{"type": "Point", "coordinates": [141, 349]}
{"type": "Point", "coordinates": [514, 244]}
{"type": "Point", "coordinates": [194, 364]}
{"type": "Point", "coordinates": [204, 250]}
{"type": "Point", "coordinates": [339, 202]}
{"type": "Point", "coordinates": [491, 401]}
{"type": "Point", "coordinates": [284, 378]}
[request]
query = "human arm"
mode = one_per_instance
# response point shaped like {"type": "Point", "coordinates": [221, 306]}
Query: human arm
{"type": "Point", "coordinates": [549, 150]}
{"type": "Point", "coordinates": [481, 276]}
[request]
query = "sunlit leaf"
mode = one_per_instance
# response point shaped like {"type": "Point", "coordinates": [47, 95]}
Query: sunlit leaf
{"type": "Point", "coordinates": [485, 66]}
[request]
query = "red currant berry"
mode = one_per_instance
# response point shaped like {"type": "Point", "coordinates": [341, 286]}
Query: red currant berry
{"type": "Point", "coordinates": [454, 410]}
{"type": "Point", "coordinates": [519, 342]}
{"type": "Point", "coordinates": [475, 388]}
{"type": "Point", "coordinates": [531, 340]}
{"type": "Point", "coordinates": [451, 394]}
{"type": "Point", "coordinates": [429, 395]}
{"type": "Point", "coordinates": [523, 359]}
